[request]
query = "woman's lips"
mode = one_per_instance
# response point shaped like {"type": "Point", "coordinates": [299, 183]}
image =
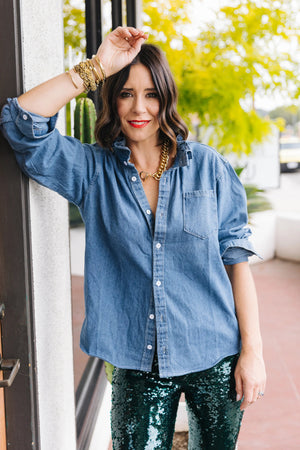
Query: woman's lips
{"type": "Point", "coordinates": [138, 123]}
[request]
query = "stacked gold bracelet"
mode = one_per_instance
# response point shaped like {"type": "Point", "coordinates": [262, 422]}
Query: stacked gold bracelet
{"type": "Point", "coordinates": [89, 74]}
{"type": "Point", "coordinates": [101, 67]}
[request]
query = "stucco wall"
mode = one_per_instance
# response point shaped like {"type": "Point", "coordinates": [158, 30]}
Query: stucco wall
{"type": "Point", "coordinates": [42, 37]}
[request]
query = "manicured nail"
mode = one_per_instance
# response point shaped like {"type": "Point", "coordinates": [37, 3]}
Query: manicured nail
{"type": "Point", "coordinates": [238, 397]}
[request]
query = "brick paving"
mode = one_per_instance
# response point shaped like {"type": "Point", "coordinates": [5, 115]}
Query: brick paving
{"type": "Point", "coordinates": [274, 422]}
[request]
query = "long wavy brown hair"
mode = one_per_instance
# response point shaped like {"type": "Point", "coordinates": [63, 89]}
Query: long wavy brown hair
{"type": "Point", "coordinates": [108, 126]}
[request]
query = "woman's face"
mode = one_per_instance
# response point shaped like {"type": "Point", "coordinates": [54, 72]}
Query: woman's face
{"type": "Point", "coordinates": [138, 107]}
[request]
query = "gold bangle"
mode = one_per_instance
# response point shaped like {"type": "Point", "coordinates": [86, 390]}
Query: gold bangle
{"type": "Point", "coordinates": [101, 67]}
{"type": "Point", "coordinates": [97, 76]}
{"type": "Point", "coordinates": [89, 75]}
{"type": "Point", "coordinates": [86, 74]}
{"type": "Point", "coordinates": [93, 81]}
{"type": "Point", "coordinates": [70, 75]}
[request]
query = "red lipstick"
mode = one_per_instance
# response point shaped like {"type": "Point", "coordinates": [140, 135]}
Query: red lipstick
{"type": "Point", "coordinates": [138, 123]}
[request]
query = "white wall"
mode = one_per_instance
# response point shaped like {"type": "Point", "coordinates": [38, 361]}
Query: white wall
{"type": "Point", "coordinates": [102, 435]}
{"type": "Point", "coordinates": [262, 165]}
{"type": "Point", "coordinates": [263, 227]}
{"type": "Point", "coordinates": [42, 36]}
{"type": "Point", "coordinates": [288, 236]}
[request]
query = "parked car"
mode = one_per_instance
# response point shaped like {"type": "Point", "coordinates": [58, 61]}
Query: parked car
{"type": "Point", "coordinates": [289, 153]}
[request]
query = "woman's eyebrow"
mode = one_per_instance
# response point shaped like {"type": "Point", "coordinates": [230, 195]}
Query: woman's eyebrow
{"type": "Point", "coordinates": [132, 89]}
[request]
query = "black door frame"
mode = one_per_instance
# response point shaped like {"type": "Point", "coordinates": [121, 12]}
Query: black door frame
{"type": "Point", "coordinates": [21, 403]}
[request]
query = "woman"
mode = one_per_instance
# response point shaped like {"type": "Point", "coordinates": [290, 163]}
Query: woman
{"type": "Point", "coordinates": [169, 296]}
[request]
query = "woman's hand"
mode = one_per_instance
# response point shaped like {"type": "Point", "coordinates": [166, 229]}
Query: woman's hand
{"type": "Point", "coordinates": [250, 378]}
{"type": "Point", "coordinates": [119, 48]}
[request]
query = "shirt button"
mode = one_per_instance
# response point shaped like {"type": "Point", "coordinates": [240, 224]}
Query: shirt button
{"type": "Point", "coordinates": [158, 245]}
{"type": "Point", "coordinates": [158, 283]}
{"type": "Point", "coordinates": [25, 116]}
{"type": "Point", "coordinates": [133, 179]}
{"type": "Point", "coordinates": [149, 347]}
{"type": "Point", "coordinates": [151, 316]}
{"type": "Point", "coordinates": [148, 212]}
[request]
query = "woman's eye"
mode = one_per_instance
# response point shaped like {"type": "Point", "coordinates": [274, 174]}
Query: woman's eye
{"type": "Point", "coordinates": [153, 95]}
{"type": "Point", "coordinates": [125, 94]}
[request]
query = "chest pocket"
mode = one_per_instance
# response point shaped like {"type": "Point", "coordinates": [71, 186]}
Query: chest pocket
{"type": "Point", "coordinates": [199, 213]}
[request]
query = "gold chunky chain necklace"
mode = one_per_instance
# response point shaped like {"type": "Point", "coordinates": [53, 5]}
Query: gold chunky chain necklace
{"type": "Point", "coordinates": [163, 164]}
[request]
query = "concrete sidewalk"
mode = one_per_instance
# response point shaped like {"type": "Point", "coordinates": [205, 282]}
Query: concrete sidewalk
{"type": "Point", "coordinates": [274, 422]}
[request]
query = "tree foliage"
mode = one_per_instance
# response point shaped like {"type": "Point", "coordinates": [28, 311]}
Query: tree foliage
{"type": "Point", "coordinates": [241, 54]}
{"type": "Point", "coordinates": [246, 51]}
{"type": "Point", "coordinates": [74, 27]}
{"type": "Point", "coordinates": [290, 114]}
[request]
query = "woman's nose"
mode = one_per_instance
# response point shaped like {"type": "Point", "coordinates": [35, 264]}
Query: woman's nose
{"type": "Point", "coordinates": [139, 105]}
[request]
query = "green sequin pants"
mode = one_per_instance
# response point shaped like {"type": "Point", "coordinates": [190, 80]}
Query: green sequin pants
{"type": "Point", "coordinates": [144, 408]}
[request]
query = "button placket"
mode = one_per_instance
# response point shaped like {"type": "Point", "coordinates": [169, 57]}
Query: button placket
{"type": "Point", "coordinates": [158, 272]}
{"type": "Point", "coordinates": [140, 196]}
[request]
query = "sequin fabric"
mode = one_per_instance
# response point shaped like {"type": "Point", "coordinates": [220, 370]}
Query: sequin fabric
{"type": "Point", "coordinates": [144, 408]}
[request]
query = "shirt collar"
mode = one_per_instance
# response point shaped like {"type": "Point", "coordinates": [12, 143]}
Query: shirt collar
{"type": "Point", "coordinates": [184, 152]}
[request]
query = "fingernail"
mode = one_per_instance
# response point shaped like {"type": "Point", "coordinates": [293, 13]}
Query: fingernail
{"type": "Point", "coordinates": [238, 397]}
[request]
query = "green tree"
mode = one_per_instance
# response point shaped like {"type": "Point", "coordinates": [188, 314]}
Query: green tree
{"type": "Point", "coordinates": [290, 114]}
{"type": "Point", "coordinates": [74, 27]}
{"type": "Point", "coordinates": [238, 56]}
{"type": "Point", "coordinates": [244, 52]}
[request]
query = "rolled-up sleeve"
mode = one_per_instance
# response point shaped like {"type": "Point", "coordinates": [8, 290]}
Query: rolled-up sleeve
{"type": "Point", "coordinates": [233, 229]}
{"type": "Point", "coordinates": [58, 162]}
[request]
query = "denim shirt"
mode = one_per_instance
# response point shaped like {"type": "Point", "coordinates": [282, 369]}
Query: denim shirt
{"type": "Point", "coordinates": [149, 280]}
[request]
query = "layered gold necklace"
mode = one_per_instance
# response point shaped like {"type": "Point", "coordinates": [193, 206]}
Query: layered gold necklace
{"type": "Point", "coordinates": [163, 164]}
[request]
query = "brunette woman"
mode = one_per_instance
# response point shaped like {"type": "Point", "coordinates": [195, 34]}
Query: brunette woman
{"type": "Point", "coordinates": [170, 300]}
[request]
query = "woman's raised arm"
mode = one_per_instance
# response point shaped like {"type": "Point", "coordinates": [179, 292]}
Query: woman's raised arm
{"type": "Point", "coordinates": [117, 50]}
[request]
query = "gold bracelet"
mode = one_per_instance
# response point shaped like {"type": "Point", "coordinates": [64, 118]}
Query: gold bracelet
{"type": "Point", "coordinates": [85, 72]}
{"type": "Point", "coordinates": [89, 75]}
{"type": "Point", "coordinates": [70, 75]}
{"type": "Point", "coordinates": [101, 67]}
{"type": "Point", "coordinates": [97, 76]}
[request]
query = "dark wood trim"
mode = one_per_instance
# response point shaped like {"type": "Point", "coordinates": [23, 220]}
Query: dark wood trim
{"type": "Point", "coordinates": [93, 26]}
{"type": "Point", "coordinates": [116, 13]}
{"type": "Point", "coordinates": [93, 30]}
{"type": "Point", "coordinates": [89, 396]}
{"type": "Point", "coordinates": [21, 404]}
{"type": "Point", "coordinates": [131, 12]}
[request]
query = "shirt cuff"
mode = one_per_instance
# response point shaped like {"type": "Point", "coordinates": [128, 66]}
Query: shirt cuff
{"type": "Point", "coordinates": [238, 250]}
{"type": "Point", "coordinates": [30, 125]}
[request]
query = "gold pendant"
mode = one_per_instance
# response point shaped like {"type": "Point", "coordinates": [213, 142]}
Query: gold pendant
{"type": "Point", "coordinates": [164, 159]}
{"type": "Point", "coordinates": [144, 175]}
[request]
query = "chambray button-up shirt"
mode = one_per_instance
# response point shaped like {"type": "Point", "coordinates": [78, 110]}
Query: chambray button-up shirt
{"type": "Point", "coordinates": [149, 281]}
